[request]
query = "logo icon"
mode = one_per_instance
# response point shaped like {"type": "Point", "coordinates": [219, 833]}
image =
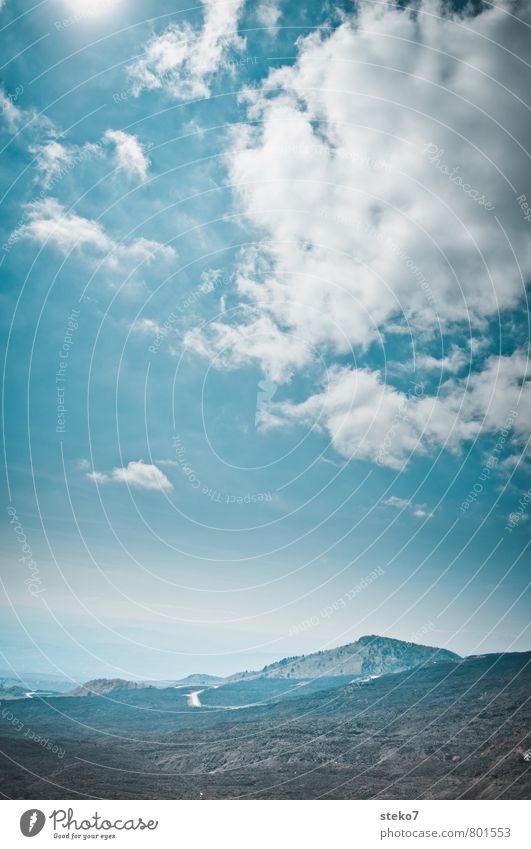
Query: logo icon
{"type": "Point", "coordinates": [31, 822]}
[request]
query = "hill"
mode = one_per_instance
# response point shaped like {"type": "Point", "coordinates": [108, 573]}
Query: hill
{"type": "Point", "coordinates": [368, 656]}
{"type": "Point", "coordinates": [101, 686]}
{"type": "Point", "coordinates": [446, 730]}
{"type": "Point", "coordinates": [199, 678]}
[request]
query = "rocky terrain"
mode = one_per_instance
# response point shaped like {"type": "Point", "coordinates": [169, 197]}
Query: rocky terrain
{"type": "Point", "coordinates": [456, 728]}
{"type": "Point", "coordinates": [100, 686]}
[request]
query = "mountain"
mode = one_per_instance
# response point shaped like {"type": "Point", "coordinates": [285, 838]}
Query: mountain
{"type": "Point", "coordinates": [368, 656]}
{"type": "Point", "coordinates": [444, 730]}
{"type": "Point", "coordinates": [11, 692]}
{"type": "Point", "coordinates": [101, 686]}
{"type": "Point", "coordinates": [200, 678]}
{"type": "Point", "coordinates": [28, 681]}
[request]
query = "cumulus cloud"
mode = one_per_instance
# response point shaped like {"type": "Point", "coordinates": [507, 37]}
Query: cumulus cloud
{"type": "Point", "coordinates": [454, 362]}
{"type": "Point", "coordinates": [268, 14]}
{"type": "Point", "coordinates": [48, 222]}
{"type": "Point", "coordinates": [136, 474]}
{"type": "Point", "coordinates": [182, 60]}
{"type": "Point", "coordinates": [366, 418]}
{"type": "Point", "coordinates": [419, 511]}
{"type": "Point", "coordinates": [357, 217]}
{"type": "Point", "coordinates": [98, 477]}
{"type": "Point", "coordinates": [129, 153]}
{"type": "Point", "coordinates": [147, 326]}
{"type": "Point", "coordinates": [366, 230]}
{"type": "Point", "coordinates": [17, 119]}
{"type": "Point", "coordinates": [11, 114]}
{"type": "Point", "coordinates": [51, 159]}
{"type": "Point", "coordinates": [54, 160]}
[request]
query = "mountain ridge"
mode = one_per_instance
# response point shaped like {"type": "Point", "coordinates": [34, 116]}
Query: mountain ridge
{"type": "Point", "coordinates": [370, 655]}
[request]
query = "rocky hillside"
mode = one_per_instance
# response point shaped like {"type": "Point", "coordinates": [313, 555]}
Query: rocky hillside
{"type": "Point", "coordinates": [199, 678]}
{"type": "Point", "coordinates": [101, 686]}
{"type": "Point", "coordinates": [370, 655]}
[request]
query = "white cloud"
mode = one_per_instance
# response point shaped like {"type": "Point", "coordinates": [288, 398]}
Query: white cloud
{"type": "Point", "coordinates": [183, 60]}
{"type": "Point", "coordinates": [453, 362]}
{"type": "Point", "coordinates": [48, 222]}
{"type": "Point", "coordinates": [54, 160]}
{"type": "Point", "coordinates": [147, 326]}
{"type": "Point", "coordinates": [268, 14]}
{"type": "Point", "coordinates": [98, 477]}
{"type": "Point", "coordinates": [417, 510]}
{"type": "Point", "coordinates": [368, 419]}
{"type": "Point", "coordinates": [360, 226]}
{"type": "Point", "coordinates": [399, 503]}
{"type": "Point", "coordinates": [10, 112]}
{"type": "Point", "coordinates": [129, 152]}
{"type": "Point", "coordinates": [136, 474]}
{"type": "Point", "coordinates": [363, 232]}
{"type": "Point", "coordinates": [259, 339]}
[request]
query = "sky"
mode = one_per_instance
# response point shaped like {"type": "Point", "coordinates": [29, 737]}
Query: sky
{"type": "Point", "coordinates": [265, 331]}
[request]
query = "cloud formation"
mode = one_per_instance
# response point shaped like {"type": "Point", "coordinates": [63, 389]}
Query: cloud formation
{"type": "Point", "coordinates": [335, 176]}
{"type": "Point", "coordinates": [54, 160]}
{"type": "Point", "coordinates": [11, 114]}
{"type": "Point", "coordinates": [268, 13]}
{"type": "Point", "coordinates": [129, 153]}
{"type": "Point", "coordinates": [419, 511]}
{"type": "Point", "coordinates": [368, 419]}
{"type": "Point", "coordinates": [364, 232]}
{"type": "Point", "coordinates": [137, 474]}
{"type": "Point", "coordinates": [48, 222]}
{"type": "Point", "coordinates": [182, 60]}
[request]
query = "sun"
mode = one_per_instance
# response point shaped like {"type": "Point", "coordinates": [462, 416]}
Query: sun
{"type": "Point", "coordinates": [91, 8]}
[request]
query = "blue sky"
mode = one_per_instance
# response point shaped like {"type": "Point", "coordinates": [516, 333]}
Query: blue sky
{"type": "Point", "coordinates": [266, 332]}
